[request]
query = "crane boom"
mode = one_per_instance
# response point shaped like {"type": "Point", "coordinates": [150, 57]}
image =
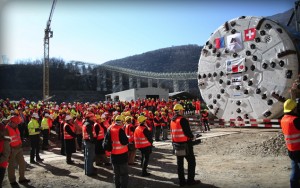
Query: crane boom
{"type": "Point", "coordinates": [48, 35]}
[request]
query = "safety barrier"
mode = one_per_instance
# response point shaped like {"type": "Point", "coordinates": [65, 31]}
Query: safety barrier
{"type": "Point", "coordinates": [263, 123]}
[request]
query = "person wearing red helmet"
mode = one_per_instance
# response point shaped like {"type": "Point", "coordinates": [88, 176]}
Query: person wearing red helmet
{"type": "Point", "coordinates": [16, 155]}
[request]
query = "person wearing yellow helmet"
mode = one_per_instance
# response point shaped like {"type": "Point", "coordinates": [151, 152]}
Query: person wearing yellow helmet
{"type": "Point", "coordinates": [157, 125]}
{"type": "Point", "coordinates": [100, 131]}
{"type": "Point", "coordinates": [143, 141]}
{"type": "Point", "coordinates": [182, 136]}
{"type": "Point", "coordinates": [290, 125]}
{"type": "Point", "coordinates": [119, 151]}
{"type": "Point", "coordinates": [165, 125]}
{"type": "Point", "coordinates": [129, 131]}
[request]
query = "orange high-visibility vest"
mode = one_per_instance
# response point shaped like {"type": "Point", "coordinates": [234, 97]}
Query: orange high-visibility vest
{"type": "Point", "coordinates": [117, 147]}
{"type": "Point", "coordinates": [4, 164]}
{"type": "Point", "coordinates": [101, 131]}
{"type": "Point", "coordinates": [177, 132]}
{"type": "Point", "coordinates": [15, 136]}
{"type": "Point", "coordinates": [66, 134]}
{"type": "Point", "coordinates": [140, 139]}
{"type": "Point", "coordinates": [291, 133]}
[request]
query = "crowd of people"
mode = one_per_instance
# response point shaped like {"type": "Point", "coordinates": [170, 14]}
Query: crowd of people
{"type": "Point", "coordinates": [99, 130]}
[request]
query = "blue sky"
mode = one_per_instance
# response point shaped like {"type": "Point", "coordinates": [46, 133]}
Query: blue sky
{"type": "Point", "coordinates": [98, 31]}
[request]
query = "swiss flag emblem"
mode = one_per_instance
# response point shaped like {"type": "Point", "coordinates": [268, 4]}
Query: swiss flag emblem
{"type": "Point", "coordinates": [250, 34]}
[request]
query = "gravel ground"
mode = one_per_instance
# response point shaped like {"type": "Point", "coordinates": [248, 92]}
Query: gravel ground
{"type": "Point", "coordinates": [249, 158]}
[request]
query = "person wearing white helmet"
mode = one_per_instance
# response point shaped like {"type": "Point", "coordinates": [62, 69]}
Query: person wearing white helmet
{"type": "Point", "coordinates": [34, 136]}
{"type": "Point", "coordinates": [69, 137]}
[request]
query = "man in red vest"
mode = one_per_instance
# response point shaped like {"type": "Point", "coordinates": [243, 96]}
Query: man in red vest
{"type": "Point", "coordinates": [182, 135]}
{"type": "Point", "coordinates": [16, 155]}
{"type": "Point", "coordinates": [143, 141]}
{"type": "Point", "coordinates": [290, 124]}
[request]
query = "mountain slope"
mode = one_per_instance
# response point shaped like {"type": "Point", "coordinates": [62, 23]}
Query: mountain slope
{"type": "Point", "coordinates": [173, 59]}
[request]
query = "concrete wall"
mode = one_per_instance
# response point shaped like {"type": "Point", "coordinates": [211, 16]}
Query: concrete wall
{"type": "Point", "coordinates": [143, 92]}
{"type": "Point", "coordinates": [134, 94]}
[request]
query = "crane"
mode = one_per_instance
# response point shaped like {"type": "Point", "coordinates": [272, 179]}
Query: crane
{"type": "Point", "coordinates": [48, 35]}
{"type": "Point", "coordinates": [296, 14]}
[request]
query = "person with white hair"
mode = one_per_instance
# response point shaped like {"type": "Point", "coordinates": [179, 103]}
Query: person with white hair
{"type": "Point", "coordinates": [34, 136]}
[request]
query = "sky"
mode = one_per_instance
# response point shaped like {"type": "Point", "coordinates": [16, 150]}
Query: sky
{"type": "Point", "coordinates": [97, 31]}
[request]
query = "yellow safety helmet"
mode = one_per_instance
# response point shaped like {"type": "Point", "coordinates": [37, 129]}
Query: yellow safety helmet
{"type": "Point", "coordinates": [156, 112]}
{"type": "Point", "coordinates": [127, 113]}
{"type": "Point", "coordinates": [141, 119]}
{"type": "Point", "coordinates": [118, 118]}
{"type": "Point", "coordinates": [127, 118]}
{"type": "Point", "coordinates": [97, 116]}
{"type": "Point", "coordinates": [289, 105]}
{"type": "Point", "coordinates": [178, 107]}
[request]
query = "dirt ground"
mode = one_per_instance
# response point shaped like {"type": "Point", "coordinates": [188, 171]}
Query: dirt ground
{"type": "Point", "coordinates": [248, 158]}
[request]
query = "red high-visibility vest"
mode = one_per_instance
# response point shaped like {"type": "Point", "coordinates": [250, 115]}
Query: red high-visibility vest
{"type": "Point", "coordinates": [140, 139]}
{"type": "Point", "coordinates": [177, 132]}
{"type": "Point", "coordinates": [291, 133]}
{"type": "Point", "coordinates": [15, 136]}
{"type": "Point", "coordinates": [205, 116]}
{"type": "Point", "coordinates": [129, 133]}
{"type": "Point", "coordinates": [101, 131]}
{"type": "Point", "coordinates": [165, 121]}
{"type": "Point", "coordinates": [117, 147]}
{"type": "Point", "coordinates": [106, 123]}
{"type": "Point", "coordinates": [66, 134]}
{"type": "Point", "coordinates": [85, 135]}
{"type": "Point", "coordinates": [158, 120]}
{"type": "Point", "coordinates": [4, 164]}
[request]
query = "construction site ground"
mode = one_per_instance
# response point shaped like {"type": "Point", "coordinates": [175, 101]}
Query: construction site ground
{"type": "Point", "coordinates": [226, 157]}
